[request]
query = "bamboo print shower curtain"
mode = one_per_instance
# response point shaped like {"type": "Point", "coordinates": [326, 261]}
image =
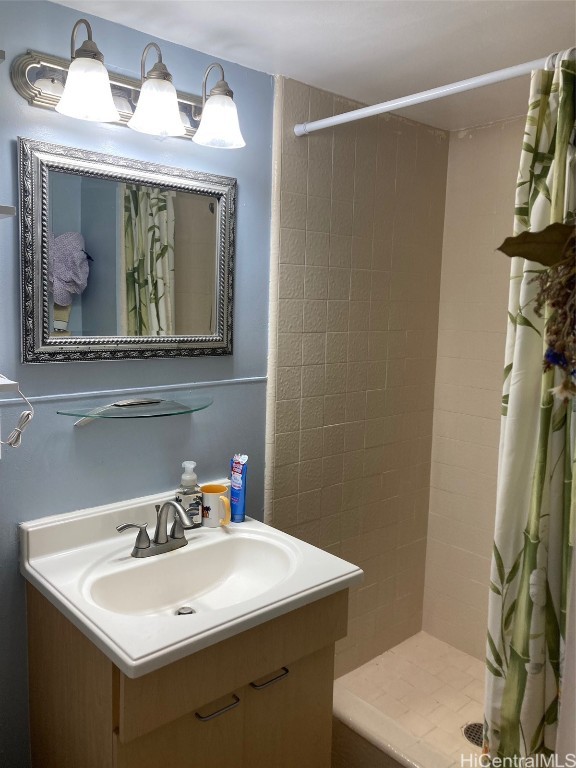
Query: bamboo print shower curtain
{"type": "Point", "coordinates": [532, 555]}
{"type": "Point", "coordinates": [149, 260]}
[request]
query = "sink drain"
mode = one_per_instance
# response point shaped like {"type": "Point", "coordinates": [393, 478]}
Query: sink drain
{"type": "Point", "coordinates": [185, 610]}
{"type": "Point", "coordinates": [474, 732]}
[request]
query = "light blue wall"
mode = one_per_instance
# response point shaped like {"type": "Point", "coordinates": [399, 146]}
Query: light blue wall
{"type": "Point", "coordinates": [100, 227]}
{"type": "Point", "coordinates": [66, 216]}
{"type": "Point", "coordinates": [58, 468]}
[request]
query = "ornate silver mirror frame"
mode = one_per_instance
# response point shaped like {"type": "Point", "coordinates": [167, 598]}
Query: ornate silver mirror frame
{"type": "Point", "coordinates": [36, 160]}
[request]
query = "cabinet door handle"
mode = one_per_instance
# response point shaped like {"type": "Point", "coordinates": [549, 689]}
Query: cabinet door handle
{"type": "Point", "coordinates": [219, 712]}
{"type": "Point", "coordinates": [280, 676]}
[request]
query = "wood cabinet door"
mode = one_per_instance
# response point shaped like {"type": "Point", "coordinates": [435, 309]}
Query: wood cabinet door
{"type": "Point", "coordinates": [189, 742]}
{"type": "Point", "coordinates": [288, 716]}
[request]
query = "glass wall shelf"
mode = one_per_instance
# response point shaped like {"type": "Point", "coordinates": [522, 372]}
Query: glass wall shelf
{"type": "Point", "coordinates": [136, 408]}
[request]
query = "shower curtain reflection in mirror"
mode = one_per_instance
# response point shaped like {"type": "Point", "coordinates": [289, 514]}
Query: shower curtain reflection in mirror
{"type": "Point", "coordinates": [147, 254]}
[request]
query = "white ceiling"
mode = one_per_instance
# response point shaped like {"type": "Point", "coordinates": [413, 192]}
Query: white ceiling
{"type": "Point", "coordinates": [371, 51]}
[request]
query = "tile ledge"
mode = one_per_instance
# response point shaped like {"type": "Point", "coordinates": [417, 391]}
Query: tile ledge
{"type": "Point", "coordinates": [382, 732]}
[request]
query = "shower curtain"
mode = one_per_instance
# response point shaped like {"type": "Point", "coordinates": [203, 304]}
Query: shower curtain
{"type": "Point", "coordinates": [532, 553]}
{"type": "Point", "coordinates": [148, 256]}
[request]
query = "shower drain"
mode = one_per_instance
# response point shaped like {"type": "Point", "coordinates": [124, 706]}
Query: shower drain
{"type": "Point", "coordinates": [474, 732]}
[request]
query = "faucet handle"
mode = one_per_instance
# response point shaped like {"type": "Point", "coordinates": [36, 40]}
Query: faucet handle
{"type": "Point", "coordinates": [142, 540]}
{"type": "Point", "coordinates": [177, 531]}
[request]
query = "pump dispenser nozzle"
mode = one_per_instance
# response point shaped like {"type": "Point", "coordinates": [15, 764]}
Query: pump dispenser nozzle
{"type": "Point", "coordinates": [189, 480]}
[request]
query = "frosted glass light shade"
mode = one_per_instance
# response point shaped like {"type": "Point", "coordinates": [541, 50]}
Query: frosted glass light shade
{"type": "Point", "coordinates": [157, 110]}
{"type": "Point", "coordinates": [219, 125]}
{"type": "Point", "coordinates": [87, 93]}
{"type": "Point", "coordinates": [185, 119]}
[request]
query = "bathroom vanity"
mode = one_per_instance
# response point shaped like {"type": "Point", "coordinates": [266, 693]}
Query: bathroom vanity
{"type": "Point", "coordinates": [119, 682]}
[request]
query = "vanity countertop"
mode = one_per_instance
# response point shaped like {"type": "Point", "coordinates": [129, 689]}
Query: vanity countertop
{"type": "Point", "coordinates": [233, 578]}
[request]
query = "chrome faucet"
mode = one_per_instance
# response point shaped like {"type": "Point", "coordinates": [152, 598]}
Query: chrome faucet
{"type": "Point", "coordinates": [162, 541]}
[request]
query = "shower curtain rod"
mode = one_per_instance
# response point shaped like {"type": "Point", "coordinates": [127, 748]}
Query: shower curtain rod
{"type": "Point", "coordinates": [301, 129]}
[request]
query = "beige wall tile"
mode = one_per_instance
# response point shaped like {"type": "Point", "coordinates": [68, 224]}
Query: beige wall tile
{"type": "Point", "coordinates": [331, 491]}
{"type": "Point", "coordinates": [355, 406]}
{"type": "Point", "coordinates": [290, 315]}
{"type": "Point", "coordinates": [330, 531]}
{"type": "Point", "coordinates": [292, 246]}
{"type": "Point", "coordinates": [296, 108]}
{"type": "Point", "coordinates": [315, 316]}
{"type": "Point", "coordinates": [312, 412]}
{"type": "Point", "coordinates": [338, 315]}
{"type": "Point", "coordinates": [285, 512]}
{"type": "Point", "coordinates": [287, 450]}
{"type": "Point", "coordinates": [313, 348]}
{"type": "Point", "coordinates": [340, 251]}
{"type": "Point", "coordinates": [316, 282]}
{"type": "Point", "coordinates": [313, 381]}
{"type": "Point", "coordinates": [309, 503]}
{"type": "Point", "coordinates": [311, 443]}
{"type": "Point", "coordinates": [360, 316]}
{"type": "Point", "coordinates": [341, 217]}
{"type": "Point", "coordinates": [332, 473]}
{"type": "Point", "coordinates": [317, 249]}
{"type": "Point", "coordinates": [321, 104]}
{"type": "Point", "coordinates": [294, 173]}
{"type": "Point", "coordinates": [334, 409]}
{"type": "Point", "coordinates": [355, 370]}
{"type": "Point", "coordinates": [293, 210]}
{"type": "Point", "coordinates": [336, 347]}
{"type": "Point", "coordinates": [318, 214]}
{"type": "Point", "coordinates": [309, 475]}
{"type": "Point", "coordinates": [289, 349]}
{"type": "Point", "coordinates": [320, 175]}
{"type": "Point", "coordinates": [288, 415]}
{"type": "Point", "coordinates": [362, 248]}
{"type": "Point", "coordinates": [338, 284]}
{"type": "Point", "coordinates": [360, 284]}
{"type": "Point", "coordinates": [353, 465]}
{"type": "Point", "coordinates": [285, 481]}
{"type": "Point", "coordinates": [334, 439]}
{"type": "Point", "coordinates": [356, 376]}
{"type": "Point", "coordinates": [471, 334]}
{"type": "Point", "coordinates": [335, 378]}
{"type": "Point", "coordinates": [289, 383]}
{"type": "Point", "coordinates": [343, 181]}
{"type": "Point", "coordinates": [290, 281]}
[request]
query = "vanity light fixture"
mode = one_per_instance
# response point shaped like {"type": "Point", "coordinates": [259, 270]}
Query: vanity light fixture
{"type": "Point", "coordinates": [87, 93]}
{"type": "Point", "coordinates": [219, 125]}
{"type": "Point", "coordinates": [157, 109]}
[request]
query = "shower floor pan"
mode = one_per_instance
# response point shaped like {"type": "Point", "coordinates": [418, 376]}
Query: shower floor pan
{"type": "Point", "coordinates": [409, 707]}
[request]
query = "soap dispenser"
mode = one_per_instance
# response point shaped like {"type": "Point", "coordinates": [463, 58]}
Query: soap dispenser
{"type": "Point", "coordinates": [189, 494]}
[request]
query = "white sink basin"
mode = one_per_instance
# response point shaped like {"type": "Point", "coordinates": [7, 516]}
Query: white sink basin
{"type": "Point", "coordinates": [208, 574]}
{"type": "Point", "coordinates": [231, 578]}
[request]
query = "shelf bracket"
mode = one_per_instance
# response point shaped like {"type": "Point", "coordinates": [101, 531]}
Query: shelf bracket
{"type": "Point", "coordinates": [6, 211]}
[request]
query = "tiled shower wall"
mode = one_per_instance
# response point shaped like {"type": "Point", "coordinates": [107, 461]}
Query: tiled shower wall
{"type": "Point", "coordinates": [482, 170]}
{"type": "Point", "coordinates": [352, 352]}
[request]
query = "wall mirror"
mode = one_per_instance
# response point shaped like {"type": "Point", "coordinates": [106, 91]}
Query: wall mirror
{"type": "Point", "coordinates": [122, 259]}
